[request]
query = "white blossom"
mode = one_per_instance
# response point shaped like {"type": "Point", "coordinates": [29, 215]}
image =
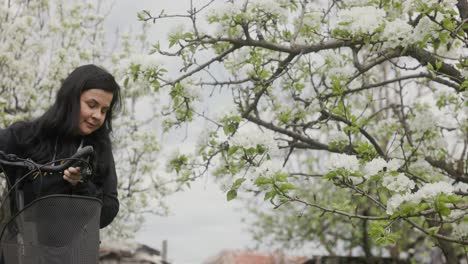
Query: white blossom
{"type": "Point", "coordinates": [461, 187]}
{"type": "Point", "coordinates": [358, 20]}
{"type": "Point", "coordinates": [146, 62]}
{"type": "Point", "coordinates": [394, 202]}
{"type": "Point", "coordinates": [190, 90]}
{"type": "Point", "coordinates": [378, 164]}
{"type": "Point", "coordinates": [396, 33]}
{"type": "Point", "coordinates": [427, 192]}
{"type": "Point", "coordinates": [460, 230]}
{"type": "Point", "coordinates": [374, 167]}
{"type": "Point", "coordinates": [424, 121]}
{"type": "Point", "coordinates": [347, 162]}
{"type": "Point", "coordinates": [351, 3]}
{"type": "Point", "coordinates": [252, 11]}
{"type": "Point", "coordinates": [456, 214]}
{"type": "Point", "coordinates": [453, 51]}
{"type": "Point", "coordinates": [271, 7]}
{"type": "Point", "coordinates": [424, 28]}
{"type": "Point", "coordinates": [250, 139]}
{"type": "Point", "coordinates": [393, 165]}
{"type": "Point", "coordinates": [337, 136]}
{"type": "Point", "coordinates": [399, 183]}
{"type": "Point", "coordinates": [430, 190]}
{"type": "Point", "coordinates": [414, 5]}
{"type": "Point", "coordinates": [266, 169]}
{"type": "Point", "coordinates": [338, 64]}
{"type": "Point", "coordinates": [313, 20]}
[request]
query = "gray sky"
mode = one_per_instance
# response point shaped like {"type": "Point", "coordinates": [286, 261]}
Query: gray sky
{"type": "Point", "coordinates": [201, 222]}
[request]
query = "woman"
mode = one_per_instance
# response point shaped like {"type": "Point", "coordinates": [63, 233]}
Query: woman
{"type": "Point", "coordinates": [81, 115]}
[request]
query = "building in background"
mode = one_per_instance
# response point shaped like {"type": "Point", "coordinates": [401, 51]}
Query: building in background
{"type": "Point", "coordinates": [132, 254]}
{"type": "Point", "coordinates": [252, 257]}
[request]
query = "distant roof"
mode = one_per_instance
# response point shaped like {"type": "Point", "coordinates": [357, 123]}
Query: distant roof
{"type": "Point", "coordinates": [252, 257]}
{"type": "Point", "coordinates": [136, 253]}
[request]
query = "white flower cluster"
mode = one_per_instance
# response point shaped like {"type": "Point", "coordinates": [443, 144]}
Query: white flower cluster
{"type": "Point", "coordinates": [338, 64]}
{"type": "Point", "coordinates": [249, 12]}
{"type": "Point", "coordinates": [266, 169]}
{"type": "Point", "coordinates": [456, 214]}
{"type": "Point", "coordinates": [431, 190]}
{"type": "Point", "coordinates": [424, 121]}
{"type": "Point", "coordinates": [358, 20]}
{"type": "Point", "coordinates": [337, 136]}
{"type": "Point", "coordinates": [396, 33]}
{"type": "Point", "coordinates": [453, 51]}
{"type": "Point", "coordinates": [461, 187]}
{"type": "Point", "coordinates": [377, 165]}
{"type": "Point", "coordinates": [394, 202]}
{"type": "Point", "coordinates": [414, 5]}
{"type": "Point", "coordinates": [191, 90]}
{"type": "Point", "coordinates": [347, 162]}
{"type": "Point", "coordinates": [146, 62]}
{"type": "Point", "coordinates": [351, 3]}
{"type": "Point", "coordinates": [400, 183]}
{"type": "Point", "coordinates": [250, 139]}
{"type": "Point", "coordinates": [427, 192]}
{"type": "Point", "coordinates": [460, 230]}
{"type": "Point", "coordinates": [423, 28]}
{"type": "Point", "coordinates": [271, 7]}
{"type": "Point", "coordinates": [360, 17]}
{"type": "Point", "coordinates": [374, 167]}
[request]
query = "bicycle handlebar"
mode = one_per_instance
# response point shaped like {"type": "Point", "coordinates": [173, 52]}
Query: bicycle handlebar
{"type": "Point", "coordinates": [13, 160]}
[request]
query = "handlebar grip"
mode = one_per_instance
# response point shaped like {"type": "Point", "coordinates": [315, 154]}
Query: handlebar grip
{"type": "Point", "coordinates": [13, 160]}
{"type": "Point", "coordinates": [87, 150]}
{"type": "Point", "coordinates": [8, 157]}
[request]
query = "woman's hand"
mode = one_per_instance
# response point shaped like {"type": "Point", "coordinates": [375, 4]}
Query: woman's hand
{"type": "Point", "coordinates": [72, 175]}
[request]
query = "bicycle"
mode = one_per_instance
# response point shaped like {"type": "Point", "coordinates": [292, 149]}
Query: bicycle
{"type": "Point", "coordinates": [52, 229]}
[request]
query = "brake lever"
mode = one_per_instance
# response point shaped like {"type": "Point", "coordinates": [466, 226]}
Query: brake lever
{"type": "Point", "coordinates": [85, 169]}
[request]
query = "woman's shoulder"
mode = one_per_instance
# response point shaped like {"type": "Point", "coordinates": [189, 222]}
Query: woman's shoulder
{"type": "Point", "coordinates": [22, 129]}
{"type": "Point", "coordinates": [12, 137]}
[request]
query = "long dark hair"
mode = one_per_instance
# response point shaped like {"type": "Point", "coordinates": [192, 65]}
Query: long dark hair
{"type": "Point", "coordinates": [55, 133]}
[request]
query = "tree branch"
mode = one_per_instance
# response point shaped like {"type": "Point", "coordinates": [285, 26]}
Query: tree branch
{"type": "Point", "coordinates": [364, 132]}
{"type": "Point", "coordinates": [311, 144]}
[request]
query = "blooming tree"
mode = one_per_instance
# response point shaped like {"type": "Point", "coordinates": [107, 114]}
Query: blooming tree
{"type": "Point", "coordinates": [351, 114]}
{"type": "Point", "coordinates": [41, 42]}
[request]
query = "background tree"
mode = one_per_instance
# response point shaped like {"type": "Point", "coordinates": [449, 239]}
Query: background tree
{"type": "Point", "coordinates": [350, 114]}
{"type": "Point", "coordinates": [41, 42]}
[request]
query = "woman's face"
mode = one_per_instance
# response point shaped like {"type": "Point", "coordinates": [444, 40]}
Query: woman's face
{"type": "Point", "coordinates": [94, 104]}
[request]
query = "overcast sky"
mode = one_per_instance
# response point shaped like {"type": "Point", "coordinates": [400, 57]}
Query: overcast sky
{"type": "Point", "coordinates": [201, 222]}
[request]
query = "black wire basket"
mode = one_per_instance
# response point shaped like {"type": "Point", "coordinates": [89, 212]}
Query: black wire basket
{"type": "Point", "coordinates": [55, 229]}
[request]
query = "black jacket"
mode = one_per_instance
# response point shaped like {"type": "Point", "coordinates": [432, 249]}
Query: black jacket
{"type": "Point", "coordinates": [103, 183]}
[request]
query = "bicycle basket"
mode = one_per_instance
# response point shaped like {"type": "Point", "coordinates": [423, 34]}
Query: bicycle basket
{"type": "Point", "coordinates": [55, 229]}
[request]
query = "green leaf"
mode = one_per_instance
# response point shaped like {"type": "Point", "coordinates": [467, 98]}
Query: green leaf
{"type": "Point", "coordinates": [232, 150]}
{"type": "Point", "coordinates": [237, 183]}
{"type": "Point", "coordinates": [438, 64]}
{"type": "Point", "coordinates": [441, 206]}
{"type": "Point", "coordinates": [260, 149]}
{"type": "Point", "coordinates": [376, 229]}
{"type": "Point", "coordinates": [284, 117]}
{"type": "Point", "coordinates": [287, 186]}
{"type": "Point", "coordinates": [430, 67]}
{"type": "Point", "coordinates": [330, 175]}
{"type": "Point", "coordinates": [270, 195]}
{"type": "Point", "coordinates": [434, 230]}
{"type": "Point", "coordinates": [262, 181]}
{"type": "Point", "coordinates": [230, 128]}
{"type": "Point", "coordinates": [232, 194]}
{"type": "Point", "coordinates": [281, 177]}
{"type": "Point", "coordinates": [464, 85]}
